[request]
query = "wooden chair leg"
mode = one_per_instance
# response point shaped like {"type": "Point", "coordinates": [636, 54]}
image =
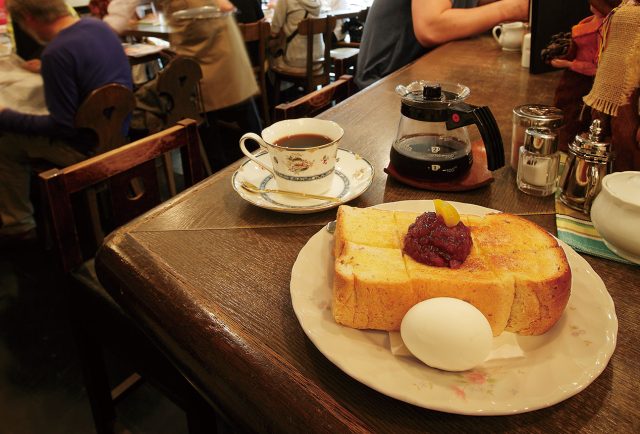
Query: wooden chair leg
{"type": "Point", "coordinates": [276, 91]}
{"type": "Point", "coordinates": [338, 67]}
{"type": "Point", "coordinates": [265, 110]}
{"type": "Point", "coordinates": [168, 169]}
{"type": "Point", "coordinates": [203, 156]}
{"type": "Point", "coordinates": [96, 381]}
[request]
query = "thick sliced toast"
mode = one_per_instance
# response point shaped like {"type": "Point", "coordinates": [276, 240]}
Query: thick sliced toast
{"type": "Point", "coordinates": [516, 274]}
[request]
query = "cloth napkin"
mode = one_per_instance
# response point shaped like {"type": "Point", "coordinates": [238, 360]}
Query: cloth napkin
{"type": "Point", "coordinates": [504, 346]}
{"type": "Point", "coordinates": [575, 228]}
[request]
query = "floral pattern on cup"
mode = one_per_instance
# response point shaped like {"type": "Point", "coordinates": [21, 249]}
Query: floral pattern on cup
{"type": "Point", "coordinates": [297, 164]}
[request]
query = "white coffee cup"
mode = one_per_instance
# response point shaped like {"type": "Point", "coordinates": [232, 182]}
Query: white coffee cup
{"type": "Point", "coordinates": [302, 152]}
{"type": "Point", "coordinates": [509, 35]}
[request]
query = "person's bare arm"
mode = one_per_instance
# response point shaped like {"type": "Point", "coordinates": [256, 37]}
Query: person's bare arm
{"type": "Point", "coordinates": [436, 22]}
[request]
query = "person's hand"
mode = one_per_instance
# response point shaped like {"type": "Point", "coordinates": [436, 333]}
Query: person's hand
{"type": "Point", "coordinates": [32, 65]}
{"type": "Point", "coordinates": [561, 63]}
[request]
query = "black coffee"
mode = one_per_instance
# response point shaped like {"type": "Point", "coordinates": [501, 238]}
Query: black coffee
{"type": "Point", "coordinates": [303, 141]}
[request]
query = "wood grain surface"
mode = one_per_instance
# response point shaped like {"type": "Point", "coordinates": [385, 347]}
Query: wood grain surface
{"type": "Point", "coordinates": [207, 277]}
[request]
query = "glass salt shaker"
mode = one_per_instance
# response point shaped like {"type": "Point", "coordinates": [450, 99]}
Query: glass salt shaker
{"type": "Point", "coordinates": [538, 162]}
{"type": "Point", "coordinates": [532, 115]}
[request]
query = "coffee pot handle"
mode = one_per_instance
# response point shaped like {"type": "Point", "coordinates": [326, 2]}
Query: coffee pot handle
{"type": "Point", "coordinates": [465, 114]}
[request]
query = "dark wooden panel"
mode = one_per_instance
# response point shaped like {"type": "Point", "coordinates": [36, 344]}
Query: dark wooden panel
{"type": "Point", "coordinates": [549, 17]}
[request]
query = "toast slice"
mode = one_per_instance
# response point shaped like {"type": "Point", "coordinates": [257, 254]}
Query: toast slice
{"type": "Point", "coordinates": [542, 280]}
{"type": "Point", "coordinates": [516, 274]}
{"type": "Point", "coordinates": [365, 226]}
{"type": "Point", "coordinates": [474, 282]}
{"type": "Point", "coordinates": [508, 233]}
{"type": "Point", "coordinates": [371, 287]}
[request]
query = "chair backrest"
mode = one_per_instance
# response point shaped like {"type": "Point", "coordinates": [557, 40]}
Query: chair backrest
{"type": "Point", "coordinates": [104, 112]}
{"type": "Point", "coordinates": [317, 101]}
{"type": "Point", "coordinates": [256, 35]}
{"type": "Point", "coordinates": [178, 83]}
{"type": "Point", "coordinates": [363, 14]}
{"type": "Point", "coordinates": [126, 183]}
{"type": "Point", "coordinates": [311, 27]}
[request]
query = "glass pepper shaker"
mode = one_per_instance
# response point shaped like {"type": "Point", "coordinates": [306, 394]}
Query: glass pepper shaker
{"type": "Point", "coordinates": [538, 162]}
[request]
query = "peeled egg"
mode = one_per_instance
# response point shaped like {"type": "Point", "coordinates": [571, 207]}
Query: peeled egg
{"type": "Point", "coordinates": [447, 333]}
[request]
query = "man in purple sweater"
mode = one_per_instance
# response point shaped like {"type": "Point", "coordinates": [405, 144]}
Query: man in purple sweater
{"type": "Point", "coordinates": [81, 55]}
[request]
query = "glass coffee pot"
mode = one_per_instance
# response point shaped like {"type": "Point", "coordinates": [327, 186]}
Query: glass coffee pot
{"type": "Point", "coordinates": [432, 142]}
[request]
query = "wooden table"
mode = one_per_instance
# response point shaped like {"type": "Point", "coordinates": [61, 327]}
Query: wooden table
{"type": "Point", "coordinates": [145, 30]}
{"type": "Point", "coordinates": [207, 276]}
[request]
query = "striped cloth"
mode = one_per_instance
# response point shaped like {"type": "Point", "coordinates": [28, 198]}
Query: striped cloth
{"type": "Point", "coordinates": [576, 229]}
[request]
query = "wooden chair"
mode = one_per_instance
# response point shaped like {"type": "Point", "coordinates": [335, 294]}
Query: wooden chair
{"type": "Point", "coordinates": [345, 54]}
{"type": "Point", "coordinates": [258, 32]}
{"type": "Point", "coordinates": [313, 76]}
{"type": "Point", "coordinates": [361, 17]}
{"type": "Point", "coordinates": [179, 84]}
{"type": "Point", "coordinates": [317, 101]}
{"type": "Point", "coordinates": [179, 88]}
{"type": "Point", "coordinates": [78, 229]}
{"type": "Point", "coordinates": [103, 112]}
{"type": "Point", "coordinates": [344, 60]}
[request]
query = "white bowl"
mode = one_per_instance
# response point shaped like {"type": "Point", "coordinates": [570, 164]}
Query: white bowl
{"type": "Point", "coordinates": [616, 214]}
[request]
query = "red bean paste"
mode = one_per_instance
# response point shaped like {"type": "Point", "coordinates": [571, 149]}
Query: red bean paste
{"type": "Point", "coordinates": [432, 242]}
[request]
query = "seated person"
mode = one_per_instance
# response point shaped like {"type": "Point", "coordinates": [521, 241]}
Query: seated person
{"type": "Point", "coordinates": [25, 46]}
{"type": "Point", "coordinates": [284, 24]}
{"type": "Point", "coordinates": [80, 56]}
{"type": "Point", "coordinates": [397, 32]}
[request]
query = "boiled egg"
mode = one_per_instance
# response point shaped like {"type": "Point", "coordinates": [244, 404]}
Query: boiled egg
{"type": "Point", "coordinates": [447, 333]}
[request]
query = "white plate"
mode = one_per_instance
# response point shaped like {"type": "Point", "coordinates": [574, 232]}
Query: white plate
{"type": "Point", "coordinates": [352, 177]}
{"type": "Point", "coordinates": [555, 366]}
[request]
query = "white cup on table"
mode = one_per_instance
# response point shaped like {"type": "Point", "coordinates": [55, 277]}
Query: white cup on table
{"type": "Point", "coordinates": [302, 153]}
{"type": "Point", "coordinates": [509, 35]}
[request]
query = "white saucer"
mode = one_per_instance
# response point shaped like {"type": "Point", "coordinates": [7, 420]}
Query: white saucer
{"type": "Point", "coordinates": [352, 177]}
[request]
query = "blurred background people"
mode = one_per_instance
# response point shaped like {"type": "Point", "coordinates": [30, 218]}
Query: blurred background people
{"type": "Point", "coordinates": [228, 84]}
{"type": "Point", "coordinates": [250, 11]}
{"type": "Point", "coordinates": [80, 55]}
{"type": "Point", "coordinates": [25, 46]}
{"type": "Point", "coordinates": [397, 32]}
{"type": "Point", "coordinates": [284, 28]}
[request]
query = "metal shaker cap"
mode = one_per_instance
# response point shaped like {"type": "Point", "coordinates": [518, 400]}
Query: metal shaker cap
{"type": "Point", "coordinates": [588, 145]}
{"type": "Point", "coordinates": [540, 140]}
{"type": "Point", "coordinates": [538, 115]}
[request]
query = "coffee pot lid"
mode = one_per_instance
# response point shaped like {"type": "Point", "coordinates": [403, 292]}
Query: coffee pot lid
{"type": "Point", "coordinates": [589, 144]}
{"type": "Point", "coordinates": [430, 94]}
